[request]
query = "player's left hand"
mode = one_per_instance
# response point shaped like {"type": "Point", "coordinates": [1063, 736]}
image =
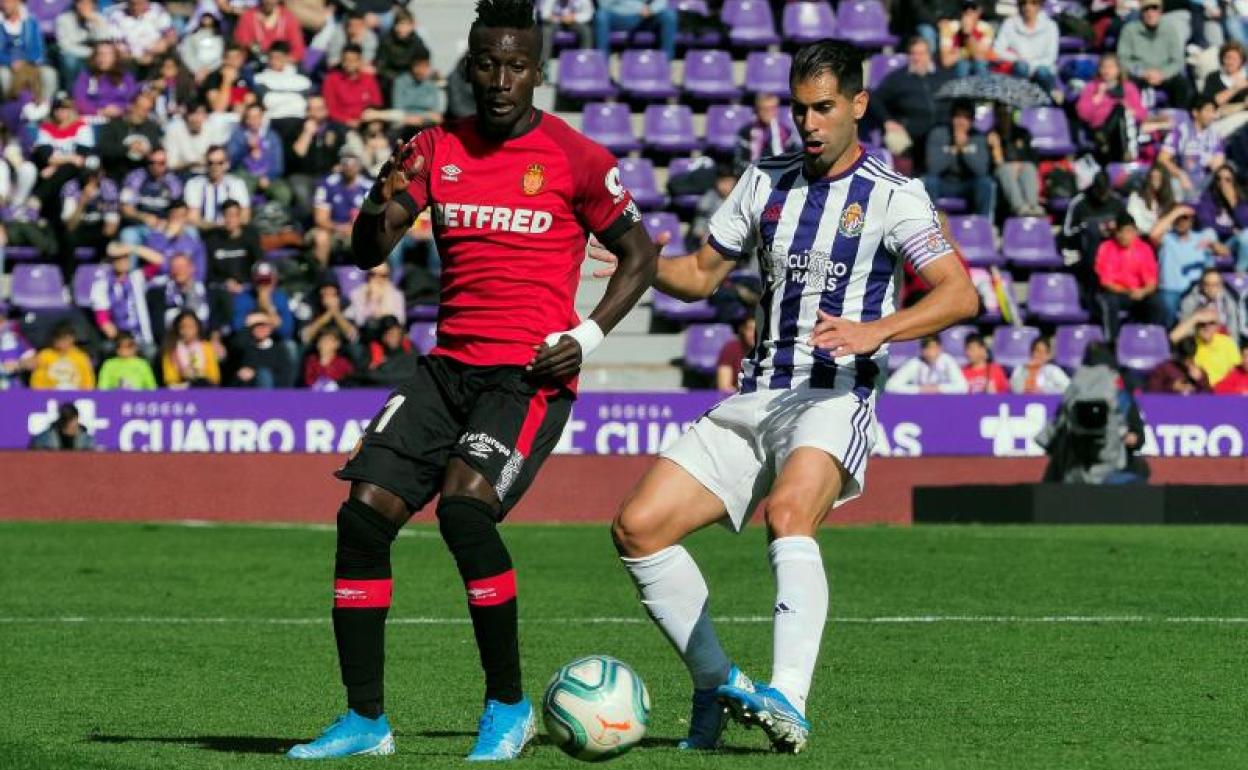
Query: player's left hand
{"type": "Point", "coordinates": [842, 337]}
{"type": "Point", "coordinates": [555, 363]}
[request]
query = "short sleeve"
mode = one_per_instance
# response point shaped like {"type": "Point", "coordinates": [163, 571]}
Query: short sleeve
{"type": "Point", "coordinates": [416, 197]}
{"type": "Point", "coordinates": [320, 199]}
{"type": "Point", "coordinates": [733, 225]}
{"type": "Point", "coordinates": [602, 203]}
{"type": "Point", "coordinates": [99, 295]}
{"type": "Point", "coordinates": [193, 195]}
{"type": "Point", "coordinates": [912, 230]}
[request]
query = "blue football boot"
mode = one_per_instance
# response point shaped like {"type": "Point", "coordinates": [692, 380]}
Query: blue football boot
{"type": "Point", "coordinates": [350, 735]}
{"type": "Point", "coordinates": [504, 731]}
{"type": "Point", "coordinates": [767, 707]}
{"type": "Point", "coordinates": [709, 717]}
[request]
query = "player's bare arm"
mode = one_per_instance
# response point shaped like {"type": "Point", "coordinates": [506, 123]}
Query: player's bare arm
{"type": "Point", "coordinates": [690, 277]}
{"type": "Point", "coordinates": [383, 221]}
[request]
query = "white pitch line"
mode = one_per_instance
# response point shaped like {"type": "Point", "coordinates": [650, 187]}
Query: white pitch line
{"type": "Point", "coordinates": [731, 620]}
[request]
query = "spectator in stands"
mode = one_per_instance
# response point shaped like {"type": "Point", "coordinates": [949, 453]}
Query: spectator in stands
{"type": "Point", "coordinates": [630, 15]}
{"type": "Point", "coordinates": [126, 370]}
{"type": "Point", "coordinates": [63, 365]}
{"type": "Point", "coordinates": [1149, 204]}
{"type": "Point", "coordinates": [186, 359]}
{"type": "Point", "coordinates": [1151, 51]}
{"type": "Point", "coordinates": [1192, 152]}
{"type": "Point", "coordinates": [16, 355]}
{"type": "Point", "coordinates": [390, 343]}
{"type": "Point", "coordinates": [1111, 108]}
{"type": "Point", "coordinates": [24, 100]}
{"type": "Point", "coordinates": [104, 87]}
{"type": "Point", "coordinates": [1014, 163]}
{"type": "Point", "coordinates": [399, 48]}
{"type": "Point", "coordinates": [1089, 221]}
{"type": "Point", "coordinates": [708, 204]}
{"type": "Point", "coordinates": [283, 91]}
{"type": "Point", "coordinates": [1228, 88]}
{"type": "Point", "coordinates": [338, 200]}
{"type": "Point", "coordinates": [982, 375]}
{"type": "Point", "coordinates": [173, 87]}
{"type": "Point", "coordinates": [354, 31]}
{"type": "Point", "coordinates": [266, 297]}
{"type": "Point", "coordinates": [119, 302]}
{"type": "Point", "coordinates": [572, 15]}
{"type": "Point", "coordinates": [90, 214]}
{"type": "Point", "coordinates": [966, 42]}
{"type": "Point", "coordinates": [1224, 207]}
{"type": "Point", "coordinates": [417, 96]}
{"type": "Point", "coordinates": [906, 107]}
{"type": "Point", "coordinates": [149, 260]}
{"type": "Point", "coordinates": [374, 301]}
{"type": "Point", "coordinates": [188, 138]}
{"type": "Point", "coordinates": [327, 311]}
{"type": "Point", "coordinates": [1182, 255]}
{"type": "Point", "coordinates": [958, 162]}
{"type": "Point", "coordinates": [143, 29]}
{"type": "Point", "coordinates": [1211, 291]}
{"type": "Point", "coordinates": [206, 196]}
{"type": "Point", "coordinates": [233, 250]}
{"type": "Point", "coordinates": [1235, 383]}
{"type": "Point", "coordinates": [147, 195]}
{"type": "Point", "coordinates": [177, 291]}
{"type": "Point", "coordinates": [203, 50]}
{"type": "Point", "coordinates": [350, 93]}
{"type": "Point", "coordinates": [1039, 375]}
{"type": "Point", "coordinates": [373, 145]}
{"type": "Point", "coordinates": [65, 433]}
{"type": "Point", "coordinates": [21, 44]}
{"type": "Point", "coordinates": [316, 151]}
{"type": "Point", "coordinates": [124, 142]}
{"type": "Point", "coordinates": [1028, 42]}
{"type": "Point", "coordinates": [176, 236]}
{"type": "Point", "coordinates": [228, 88]}
{"type": "Point", "coordinates": [1216, 351]}
{"type": "Point", "coordinates": [325, 367]}
{"type": "Point", "coordinates": [77, 29]}
{"type": "Point", "coordinates": [459, 100]}
{"type": "Point", "coordinates": [262, 361]}
{"type": "Point", "coordinates": [1127, 270]}
{"type": "Point", "coordinates": [1179, 374]}
{"type": "Point", "coordinates": [255, 154]}
{"type": "Point", "coordinates": [728, 366]}
{"type": "Point", "coordinates": [926, 17]}
{"type": "Point", "coordinates": [764, 136]}
{"type": "Point", "coordinates": [260, 27]}
{"type": "Point", "coordinates": [61, 149]}
{"type": "Point", "coordinates": [932, 371]}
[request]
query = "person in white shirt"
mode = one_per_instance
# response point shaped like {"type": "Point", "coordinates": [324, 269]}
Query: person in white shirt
{"type": "Point", "coordinates": [283, 91]}
{"type": "Point", "coordinates": [206, 195]}
{"type": "Point", "coordinates": [142, 29]}
{"type": "Point", "coordinates": [1030, 41]}
{"type": "Point", "coordinates": [933, 371]}
{"type": "Point", "coordinates": [188, 138]}
{"type": "Point", "coordinates": [1040, 375]}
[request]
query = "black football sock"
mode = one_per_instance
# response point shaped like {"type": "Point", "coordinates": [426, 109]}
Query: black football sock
{"type": "Point", "coordinates": [469, 529]}
{"type": "Point", "coordinates": [362, 589]}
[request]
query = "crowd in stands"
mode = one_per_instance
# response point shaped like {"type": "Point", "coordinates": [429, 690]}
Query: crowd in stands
{"type": "Point", "coordinates": [178, 180]}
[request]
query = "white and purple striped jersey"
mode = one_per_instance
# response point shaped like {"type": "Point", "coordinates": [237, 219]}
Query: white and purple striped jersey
{"type": "Point", "coordinates": [835, 244]}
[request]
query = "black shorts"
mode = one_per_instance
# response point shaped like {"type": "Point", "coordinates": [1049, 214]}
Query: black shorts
{"type": "Point", "coordinates": [490, 417]}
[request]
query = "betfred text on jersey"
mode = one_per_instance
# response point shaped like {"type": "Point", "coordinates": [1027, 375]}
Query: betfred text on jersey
{"type": "Point", "coordinates": [471, 215]}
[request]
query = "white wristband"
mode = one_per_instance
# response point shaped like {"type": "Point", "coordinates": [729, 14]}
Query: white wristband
{"type": "Point", "coordinates": [588, 335]}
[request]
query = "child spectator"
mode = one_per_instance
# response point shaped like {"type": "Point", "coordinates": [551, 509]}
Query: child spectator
{"type": "Point", "coordinates": [932, 371]}
{"type": "Point", "coordinates": [65, 433]}
{"type": "Point", "coordinates": [126, 370]}
{"type": "Point", "coordinates": [1193, 151]}
{"type": "Point", "coordinates": [325, 368]}
{"type": "Point", "coordinates": [186, 359]}
{"type": "Point", "coordinates": [1180, 374]}
{"type": "Point", "coordinates": [391, 342]}
{"type": "Point", "coordinates": [63, 365]}
{"type": "Point", "coordinates": [982, 375]}
{"type": "Point", "coordinates": [1235, 383]}
{"type": "Point", "coordinates": [728, 366]}
{"type": "Point", "coordinates": [1039, 375]}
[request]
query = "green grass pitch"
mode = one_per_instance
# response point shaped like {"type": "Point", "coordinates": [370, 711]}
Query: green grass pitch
{"type": "Point", "coordinates": [961, 648]}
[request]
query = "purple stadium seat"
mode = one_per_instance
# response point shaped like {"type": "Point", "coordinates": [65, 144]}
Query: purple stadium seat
{"type": "Point", "coordinates": [952, 205]}
{"type": "Point", "coordinates": [1028, 242]}
{"type": "Point", "coordinates": [1050, 133]}
{"type": "Point", "coordinates": [424, 336]}
{"type": "Point", "coordinates": [985, 118]}
{"type": "Point", "coordinates": [84, 279]}
{"type": "Point", "coordinates": [646, 75]}
{"type": "Point", "coordinates": [583, 74]}
{"type": "Point", "coordinates": [312, 60]}
{"type": "Point", "coordinates": [678, 311]}
{"type": "Point", "coordinates": [723, 121]}
{"type": "Point", "coordinates": [657, 222]}
{"type": "Point", "coordinates": [708, 77]}
{"type": "Point", "coordinates": [1054, 298]}
{"type": "Point", "coordinates": [703, 344]}
{"type": "Point", "coordinates": [637, 176]}
{"type": "Point", "coordinates": [953, 340]}
{"type": "Point", "coordinates": [610, 125]}
{"type": "Point", "coordinates": [37, 287]}
{"type": "Point", "coordinates": [864, 23]}
{"type": "Point", "coordinates": [46, 11]}
{"type": "Point", "coordinates": [901, 352]}
{"type": "Point", "coordinates": [807, 22]}
{"type": "Point", "coordinates": [678, 166]}
{"type": "Point", "coordinates": [1070, 342]}
{"type": "Point", "coordinates": [881, 64]}
{"type": "Point", "coordinates": [1011, 345]}
{"type": "Point", "coordinates": [768, 73]}
{"type": "Point", "coordinates": [668, 129]}
{"type": "Point", "coordinates": [1237, 281]}
{"type": "Point", "coordinates": [349, 277]}
{"type": "Point", "coordinates": [1142, 346]}
{"type": "Point", "coordinates": [750, 23]}
{"type": "Point", "coordinates": [422, 312]}
{"type": "Point", "coordinates": [23, 254]}
{"type": "Point", "coordinates": [975, 236]}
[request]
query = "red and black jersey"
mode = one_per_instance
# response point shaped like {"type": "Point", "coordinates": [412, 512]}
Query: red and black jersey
{"type": "Point", "coordinates": [511, 220]}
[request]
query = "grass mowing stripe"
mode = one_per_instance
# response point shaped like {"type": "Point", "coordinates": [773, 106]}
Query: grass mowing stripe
{"type": "Point", "coordinates": [741, 620]}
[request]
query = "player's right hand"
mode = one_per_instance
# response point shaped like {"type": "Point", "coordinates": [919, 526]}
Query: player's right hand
{"type": "Point", "coordinates": [396, 173]}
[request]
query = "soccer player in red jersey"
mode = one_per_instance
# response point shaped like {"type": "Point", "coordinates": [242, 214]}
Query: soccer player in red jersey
{"type": "Point", "coordinates": [515, 193]}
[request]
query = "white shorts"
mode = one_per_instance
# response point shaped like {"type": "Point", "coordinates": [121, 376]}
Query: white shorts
{"type": "Point", "coordinates": [736, 450]}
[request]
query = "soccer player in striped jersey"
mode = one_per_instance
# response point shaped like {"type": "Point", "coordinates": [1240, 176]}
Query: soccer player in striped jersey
{"type": "Point", "coordinates": [831, 227]}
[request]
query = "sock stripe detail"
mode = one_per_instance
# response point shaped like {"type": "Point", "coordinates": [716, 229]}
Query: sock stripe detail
{"type": "Point", "coordinates": [362, 594]}
{"type": "Point", "coordinates": [492, 591]}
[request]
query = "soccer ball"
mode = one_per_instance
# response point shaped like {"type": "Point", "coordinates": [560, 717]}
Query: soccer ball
{"type": "Point", "coordinates": [596, 708]}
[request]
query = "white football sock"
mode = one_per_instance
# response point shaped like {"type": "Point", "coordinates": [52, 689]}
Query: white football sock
{"type": "Point", "coordinates": [674, 593]}
{"type": "Point", "coordinates": [800, 612]}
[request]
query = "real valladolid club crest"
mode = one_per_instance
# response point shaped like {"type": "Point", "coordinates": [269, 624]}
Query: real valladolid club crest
{"type": "Point", "coordinates": [534, 179]}
{"type": "Point", "coordinates": [852, 221]}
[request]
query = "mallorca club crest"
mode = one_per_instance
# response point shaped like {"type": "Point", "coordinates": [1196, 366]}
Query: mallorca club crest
{"type": "Point", "coordinates": [852, 221]}
{"type": "Point", "coordinates": [534, 179]}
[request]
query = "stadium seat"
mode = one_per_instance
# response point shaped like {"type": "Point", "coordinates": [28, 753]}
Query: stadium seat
{"type": "Point", "coordinates": [37, 287]}
{"type": "Point", "coordinates": [951, 205]}
{"type": "Point", "coordinates": [1050, 133]}
{"type": "Point", "coordinates": [23, 254]}
{"type": "Point", "coordinates": [1142, 346]}
{"type": "Point", "coordinates": [1121, 174]}
{"type": "Point", "coordinates": [1028, 242]}
{"type": "Point", "coordinates": [669, 308]}
{"type": "Point", "coordinates": [312, 60]}
{"type": "Point", "coordinates": [637, 176]}
{"type": "Point", "coordinates": [610, 125]}
{"type": "Point", "coordinates": [953, 340]}
{"type": "Point", "coordinates": [708, 77]}
{"type": "Point", "coordinates": [424, 336]}
{"type": "Point", "coordinates": [84, 278]}
{"type": "Point", "coordinates": [646, 76]}
{"type": "Point", "coordinates": [723, 122]}
{"type": "Point", "coordinates": [422, 312]}
{"type": "Point", "coordinates": [1011, 345]}
{"type": "Point", "coordinates": [583, 75]}
{"type": "Point", "coordinates": [1054, 298]}
{"type": "Point", "coordinates": [668, 129]}
{"type": "Point", "coordinates": [676, 167]}
{"type": "Point", "coordinates": [657, 222]}
{"type": "Point", "coordinates": [45, 12]}
{"type": "Point", "coordinates": [349, 277]}
{"type": "Point", "coordinates": [1070, 342]}
{"type": "Point", "coordinates": [864, 23]}
{"type": "Point", "coordinates": [1238, 283]}
{"type": "Point", "coordinates": [881, 64]}
{"type": "Point", "coordinates": [1077, 66]}
{"type": "Point", "coordinates": [703, 344]}
{"type": "Point", "coordinates": [751, 25]}
{"type": "Point", "coordinates": [807, 22]}
{"type": "Point", "coordinates": [768, 73]}
{"type": "Point", "coordinates": [975, 237]}
{"type": "Point", "coordinates": [900, 352]}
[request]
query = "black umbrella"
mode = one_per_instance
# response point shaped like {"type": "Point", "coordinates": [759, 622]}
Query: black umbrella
{"type": "Point", "coordinates": [1014, 92]}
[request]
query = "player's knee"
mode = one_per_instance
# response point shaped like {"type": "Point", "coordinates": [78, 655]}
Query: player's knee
{"type": "Point", "coordinates": [364, 536]}
{"type": "Point", "coordinates": [465, 522]}
{"type": "Point", "coordinates": [785, 516]}
{"type": "Point", "coordinates": [634, 532]}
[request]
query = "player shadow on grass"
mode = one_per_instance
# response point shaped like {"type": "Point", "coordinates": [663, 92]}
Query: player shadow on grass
{"type": "Point", "coordinates": [544, 740]}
